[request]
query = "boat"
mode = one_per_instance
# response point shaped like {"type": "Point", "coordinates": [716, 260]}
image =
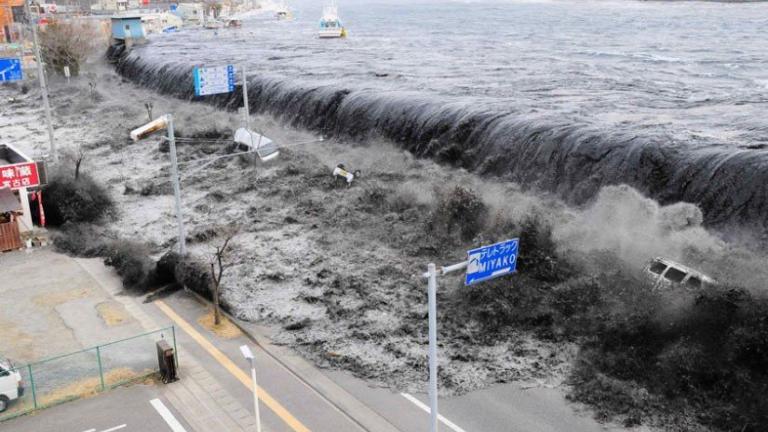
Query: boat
{"type": "Point", "coordinates": [283, 13]}
{"type": "Point", "coordinates": [229, 22]}
{"type": "Point", "coordinates": [213, 24]}
{"type": "Point", "coordinates": [330, 24]}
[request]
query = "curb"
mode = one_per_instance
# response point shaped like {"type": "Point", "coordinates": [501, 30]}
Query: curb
{"type": "Point", "coordinates": [345, 403]}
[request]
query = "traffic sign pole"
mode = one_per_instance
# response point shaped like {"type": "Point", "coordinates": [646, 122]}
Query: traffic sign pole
{"type": "Point", "coordinates": [432, 294]}
{"type": "Point", "coordinates": [246, 108]}
{"type": "Point", "coordinates": [431, 276]}
{"type": "Point", "coordinates": [482, 264]}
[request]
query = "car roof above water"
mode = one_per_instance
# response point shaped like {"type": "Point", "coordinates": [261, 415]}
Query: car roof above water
{"type": "Point", "coordinates": [690, 271]}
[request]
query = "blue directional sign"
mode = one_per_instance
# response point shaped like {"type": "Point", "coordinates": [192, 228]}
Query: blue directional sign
{"type": "Point", "coordinates": [214, 80]}
{"type": "Point", "coordinates": [492, 261]}
{"type": "Point", "coordinates": [10, 69]}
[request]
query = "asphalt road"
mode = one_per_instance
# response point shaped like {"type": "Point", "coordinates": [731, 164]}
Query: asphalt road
{"type": "Point", "coordinates": [504, 408]}
{"type": "Point", "coordinates": [127, 409]}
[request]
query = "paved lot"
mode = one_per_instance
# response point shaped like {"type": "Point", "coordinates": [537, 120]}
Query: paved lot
{"type": "Point", "coordinates": [52, 306]}
{"type": "Point", "coordinates": [126, 410]}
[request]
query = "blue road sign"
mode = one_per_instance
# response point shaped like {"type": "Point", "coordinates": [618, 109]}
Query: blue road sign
{"type": "Point", "coordinates": [214, 80]}
{"type": "Point", "coordinates": [10, 69]}
{"type": "Point", "coordinates": [492, 261]}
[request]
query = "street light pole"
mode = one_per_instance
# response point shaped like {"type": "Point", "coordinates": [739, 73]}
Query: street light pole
{"type": "Point", "coordinates": [249, 356]}
{"type": "Point", "coordinates": [166, 122]}
{"type": "Point", "coordinates": [176, 185]}
{"type": "Point", "coordinates": [255, 395]}
{"type": "Point", "coordinates": [43, 83]}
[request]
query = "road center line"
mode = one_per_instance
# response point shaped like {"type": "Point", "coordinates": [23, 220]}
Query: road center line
{"type": "Point", "coordinates": [445, 421]}
{"type": "Point", "coordinates": [112, 429]}
{"type": "Point", "coordinates": [233, 369]}
{"type": "Point", "coordinates": [167, 415]}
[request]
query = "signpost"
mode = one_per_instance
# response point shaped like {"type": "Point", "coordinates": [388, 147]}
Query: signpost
{"type": "Point", "coordinates": [10, 69]}
{"type": "Point", "coordinates": [482, 264]}
{"type": "Point", "coordinates": [18, 176]}
{"type": "Point", "coordinates": [492, 261]}
{"type": "Point", "coordinates": [214, 80]}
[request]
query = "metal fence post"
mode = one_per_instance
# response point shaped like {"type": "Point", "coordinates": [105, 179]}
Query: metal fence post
{"type": "Point", "coordinates": [101, 369]}
{"type": "Point", "coordinates": [32, 385]}
{"type": "Point", "coordinates": [432, 295]}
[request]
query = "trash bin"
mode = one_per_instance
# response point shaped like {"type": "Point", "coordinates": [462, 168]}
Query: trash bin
{"type": "Point", "coordinates": [166, 359]}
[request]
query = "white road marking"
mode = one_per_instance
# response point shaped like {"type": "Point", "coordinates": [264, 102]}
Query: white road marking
{"type": "Point", "coordinates": [90, 430]}
{"type": "Point", "coordinates": [114, 428]}
{"type": "Point", "coordinates": [167, 415]}
{"type": "Point", "coordinates": [445, 421]}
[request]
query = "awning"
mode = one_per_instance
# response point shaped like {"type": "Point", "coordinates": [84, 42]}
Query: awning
{"type": "Point", "coordinates": [8, 201]}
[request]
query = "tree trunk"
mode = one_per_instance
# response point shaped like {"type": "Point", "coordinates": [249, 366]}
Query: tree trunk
{"type": "Point", "coordinates": [216, 309]}
{"type": "Point", "coordinates": [77, 167]}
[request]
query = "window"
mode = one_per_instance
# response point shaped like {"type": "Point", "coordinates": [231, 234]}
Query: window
{"type": "Point", "coordinates": [675, 275]}
{"type": "Point", "coordinates": [693, 282]}
{"type": "Point", "coordinates": [657, 267]}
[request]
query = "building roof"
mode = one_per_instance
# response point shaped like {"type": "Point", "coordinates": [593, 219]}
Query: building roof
{"type": "Point", "coordinates": [8, 201]}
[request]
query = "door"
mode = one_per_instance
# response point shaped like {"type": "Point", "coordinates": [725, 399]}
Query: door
{"type": "Point", "coordinates": [9, 236]}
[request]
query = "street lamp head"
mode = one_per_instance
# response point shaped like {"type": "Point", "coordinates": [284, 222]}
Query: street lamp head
{"type": "Point", "coordinates": [149, 128]}
{"type": "Point", "coordinates": [246, 352]}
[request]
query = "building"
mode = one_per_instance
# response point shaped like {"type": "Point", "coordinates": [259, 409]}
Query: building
{"type": "Point", "coordinates": [19, 174]}
{"type": "Point", "coordinates": [128, 29]}
{"type": "Point", "coordinates": [11, 15]}
{"type": "Point", "coordinates": [160, 22]}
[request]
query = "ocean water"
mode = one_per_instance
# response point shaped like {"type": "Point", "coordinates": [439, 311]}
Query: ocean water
{"type": "Point", "coordinates": [568, 96]}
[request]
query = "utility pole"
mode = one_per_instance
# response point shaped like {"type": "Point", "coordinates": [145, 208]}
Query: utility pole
{"type": "Point", "coordinates": [176, 185]}
{"type": "Point", "coordinates": [41, 78]}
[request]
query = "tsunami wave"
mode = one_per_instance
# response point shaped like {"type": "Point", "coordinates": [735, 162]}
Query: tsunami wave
{"type": "Point", "coordinates": [569, 159]}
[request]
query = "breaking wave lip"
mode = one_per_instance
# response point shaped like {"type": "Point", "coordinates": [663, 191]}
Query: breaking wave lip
{"type": "Point", "coordinates": [572, 160]}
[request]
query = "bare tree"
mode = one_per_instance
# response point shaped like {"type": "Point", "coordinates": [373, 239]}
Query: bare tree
{"type": "Point", "coordinates": [79, 156]}
{"type": "Point", "coordinates": [69, 44]}
{"type": "Point", "coordinates": [148, 106]}
{"type": "Point", "coordinates": [218, 263]}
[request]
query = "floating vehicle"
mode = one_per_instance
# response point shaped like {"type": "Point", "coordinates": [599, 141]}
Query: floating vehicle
{"type": "Point", "coordinates": [665, 272]}
{"type": "Point", "coordinates": [213, 24]}
{"type": "Point", "coordinates": [231, 22]}
{"type": "Point", "coordinates": [283, 13]}
{"type": "Point", "coordinates": [330, 24]}
{"type": "Point", "coordinates": [264, 147]}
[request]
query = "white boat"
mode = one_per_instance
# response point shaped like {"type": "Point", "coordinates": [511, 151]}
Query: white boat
{"type": "Point", "coordinates": [330, 24]}
{"type": "Point", "coordinates": [283, 13]}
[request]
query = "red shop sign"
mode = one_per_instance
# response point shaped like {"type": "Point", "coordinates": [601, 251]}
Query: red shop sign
{"type": "Point", "coordinates": [17, 176]}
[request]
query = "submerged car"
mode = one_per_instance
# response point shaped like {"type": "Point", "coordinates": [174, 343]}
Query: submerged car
{"type": "Point", "coordinates": [666, 272]}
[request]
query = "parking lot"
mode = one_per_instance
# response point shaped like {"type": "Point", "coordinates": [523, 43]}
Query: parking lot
{"type": "Point", "coordinates": [142, 408]}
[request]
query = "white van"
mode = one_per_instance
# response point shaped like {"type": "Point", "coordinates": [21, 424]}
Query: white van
{"type": "Point", "coordinates": [11, 386]}
{"type": "Point", "coordinates": [666, 272]}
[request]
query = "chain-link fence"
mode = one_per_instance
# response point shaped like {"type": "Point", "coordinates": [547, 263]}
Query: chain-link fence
{"type": "Point", "coordinates": [75, 375]}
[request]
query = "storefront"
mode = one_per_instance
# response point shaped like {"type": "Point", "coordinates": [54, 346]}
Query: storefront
{"type": "Point", "coordinates": [10, 212]}
{"type": "Point", "coordinates": [20, 179]}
